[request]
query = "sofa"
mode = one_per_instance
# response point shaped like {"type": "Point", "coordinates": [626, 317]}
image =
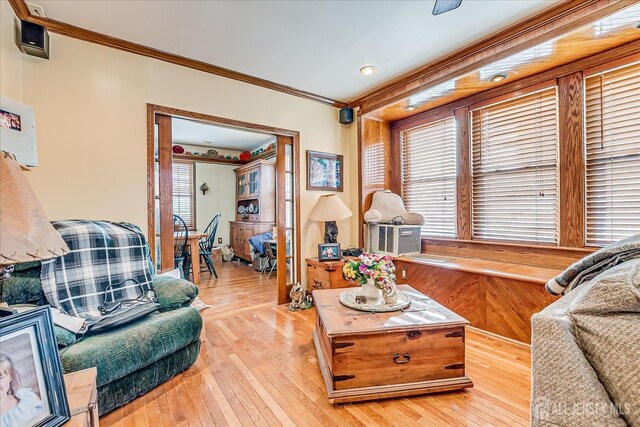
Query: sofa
{"type": "Point", "coordinates": [134, 358]}
{"type": "Point", "coordinates": [585, 351]}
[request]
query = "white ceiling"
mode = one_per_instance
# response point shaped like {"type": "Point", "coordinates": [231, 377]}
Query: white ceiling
{"type": "Point", "coordinates": [205, 135]}
{"type": "Point", "coordinates": [317, 46]}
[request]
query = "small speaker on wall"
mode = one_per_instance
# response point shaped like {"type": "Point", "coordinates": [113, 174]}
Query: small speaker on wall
{"type": "Point", "coordinates": [346, 116]}
{"type": "Point", "coordinates": [34, 39]}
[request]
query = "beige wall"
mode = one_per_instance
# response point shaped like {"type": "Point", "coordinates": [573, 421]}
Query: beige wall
{"type": "Point", "coordinates": [221, 197]}
{"type": "Point", "coordinates": [90, 104]}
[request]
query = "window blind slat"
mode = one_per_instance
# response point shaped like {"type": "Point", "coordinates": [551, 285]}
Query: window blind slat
{"type": "Point", "coordinates": [429, 175]}
{"type": "Point", "coordinates": [514, 160]}
{"type": "Point", "coordinates": [184, 192]}
{"type": "Point", "coordinates": [612, 129]}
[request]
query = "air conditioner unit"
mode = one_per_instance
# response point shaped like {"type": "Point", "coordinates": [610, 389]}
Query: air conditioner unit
{"type": "Point", "coordinates": [396, 240]}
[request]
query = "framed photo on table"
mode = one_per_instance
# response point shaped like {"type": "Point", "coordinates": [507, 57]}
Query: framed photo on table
{"type": "Point", "coordinates": [31, 378]}
{"type": "Point", "coordinates": [324, 171]}
{"type": "Point", "coordinates": [329, 252]}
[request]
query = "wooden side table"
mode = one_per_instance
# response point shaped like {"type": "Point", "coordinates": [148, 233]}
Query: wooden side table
{"type": "Point", "coordinates": [325, 274]}
{"type": "Point", "coordinates": [83, 398]}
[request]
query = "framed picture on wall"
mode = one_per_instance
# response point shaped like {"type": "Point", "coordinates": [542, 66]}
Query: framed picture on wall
{"type": "Point", "coordinates": [30, 371]}
{"type": "Point", "coordinates": [324, 171]}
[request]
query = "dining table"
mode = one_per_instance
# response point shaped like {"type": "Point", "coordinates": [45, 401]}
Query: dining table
{"type": "Point", "coordinates": [193, 241]}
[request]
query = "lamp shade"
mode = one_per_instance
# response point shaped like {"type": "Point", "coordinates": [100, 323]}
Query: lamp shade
{"type": "Point", "coordinates": [330, 208]}
{"type": "Point", "coordinates": [25, 232]}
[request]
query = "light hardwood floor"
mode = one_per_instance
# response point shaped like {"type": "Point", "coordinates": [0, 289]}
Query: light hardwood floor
{"type": "Point", "coordinates": [259, 367]}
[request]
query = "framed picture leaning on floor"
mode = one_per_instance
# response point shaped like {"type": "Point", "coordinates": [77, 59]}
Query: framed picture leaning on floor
{"type": "Point", "coordinates": [32, 389]}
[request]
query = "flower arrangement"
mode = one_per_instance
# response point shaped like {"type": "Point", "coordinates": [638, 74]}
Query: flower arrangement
{"type": "Point", "coordinates": [371, 267]}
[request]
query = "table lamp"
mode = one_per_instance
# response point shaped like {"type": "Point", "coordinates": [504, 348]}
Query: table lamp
{"type": "Point", "coordinates": [330, 209]}
{"type": "Point", "coordinates": [25, 232]}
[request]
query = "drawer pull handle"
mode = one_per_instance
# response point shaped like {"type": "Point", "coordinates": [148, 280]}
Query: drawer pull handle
{"type": "Point", "coordinates": [405, 358]}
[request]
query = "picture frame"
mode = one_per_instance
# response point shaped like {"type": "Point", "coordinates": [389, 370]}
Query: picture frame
{"type": "Point", "coordinates": [18, 131]}
{"type": "Point", "coordinates": [30, 361]}
{"type": "Point", "coordinates": [325, 171]}
{"type": "Point", "coordinates": [329, 252]}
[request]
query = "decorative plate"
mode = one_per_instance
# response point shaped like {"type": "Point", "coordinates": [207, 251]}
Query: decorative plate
{"type": "Point", "coordinates": [212, 153]}
{"type": "Point", "coordinates": [348, 298]}
{"type": "Point", "coordinates": [242, 210]}
{"type": "Point", "coordinates": [178, 149]}
{"type": "Point", "coordinates": [250, 208]}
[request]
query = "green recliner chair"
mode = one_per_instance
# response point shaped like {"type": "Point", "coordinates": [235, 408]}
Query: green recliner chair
{"type": "Point", "coordinates": [132, 359]}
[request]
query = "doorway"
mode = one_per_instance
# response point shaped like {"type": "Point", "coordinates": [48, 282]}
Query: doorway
{"type": "Point", "coordinates": [161, 197]}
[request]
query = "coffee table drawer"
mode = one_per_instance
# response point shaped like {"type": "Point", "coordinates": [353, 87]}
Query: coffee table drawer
{"type": "Point", "coordinates": [399, 357]}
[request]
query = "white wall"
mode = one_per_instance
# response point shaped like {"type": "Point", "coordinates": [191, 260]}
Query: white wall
{"type": "Point", "coordinates": [221, 197]}
{"type": "Point", "coordinates": [90, 104]}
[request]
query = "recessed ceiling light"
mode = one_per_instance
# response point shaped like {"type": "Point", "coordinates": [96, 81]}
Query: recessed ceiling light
{"type": "Point", "coordinates": [367, 70]}
{"type": "Point", "coordinates": [498, 77]}
{"type": "Point", "coordinates": [411, 107]}
{"type": "Point", "coordinates": [637, 25]}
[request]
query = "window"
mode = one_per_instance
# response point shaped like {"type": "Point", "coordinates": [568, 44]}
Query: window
{"type": "Point", "coordinates": [429, 175]}
{"type": "Point", "coordinates": [514, 147]}
{"type": "Point", "coordinates": [612, 116]}
{"type": "Point", "coordinates": [184, 203]}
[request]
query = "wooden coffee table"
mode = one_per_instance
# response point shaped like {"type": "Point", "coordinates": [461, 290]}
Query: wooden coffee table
{"type": "Point", "coordinates": [366, 356]}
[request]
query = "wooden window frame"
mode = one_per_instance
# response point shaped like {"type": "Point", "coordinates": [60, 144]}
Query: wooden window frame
{"type": "Point", "coordinates": [569, 81]}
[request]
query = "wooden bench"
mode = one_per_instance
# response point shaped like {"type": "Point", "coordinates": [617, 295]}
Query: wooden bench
{"type": "Point", "coordinates": [498, 297]}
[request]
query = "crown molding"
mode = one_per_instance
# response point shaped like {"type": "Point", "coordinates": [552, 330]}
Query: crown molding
{"type": "Point", "coordinates": [22, 12]}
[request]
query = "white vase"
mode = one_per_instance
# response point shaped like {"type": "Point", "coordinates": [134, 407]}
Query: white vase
{"type": "Point", "coordinates": [372, 293]}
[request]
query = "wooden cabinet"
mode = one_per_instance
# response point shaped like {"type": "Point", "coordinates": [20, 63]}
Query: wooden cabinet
{"type": "Point", "coordinates": [242, 231]}
{"type": "Point", "coordinates": [255, 204]}
{"type": "Point", "coordinates": [325, 274]}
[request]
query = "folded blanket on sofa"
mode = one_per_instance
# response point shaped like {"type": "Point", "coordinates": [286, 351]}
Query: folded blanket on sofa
{"type": "Point", "coordinates": [101, 254]}
{"type": "Point", "coordinates": [594, 264]}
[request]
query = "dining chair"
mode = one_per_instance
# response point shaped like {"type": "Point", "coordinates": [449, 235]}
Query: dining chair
{"type": "Point", "coordinates": [270, 252]}
{"type": "Point", "coordinates": [181, 256]}
{"type": "Point", "coordinates": [207, 244]}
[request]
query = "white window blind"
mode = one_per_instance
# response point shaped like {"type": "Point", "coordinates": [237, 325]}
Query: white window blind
{"type": "Point", "coordinates": [612, 116]}
{"type": "Point", "coordinates": [184, 192]}
{"type": "Point", "coordinates": [429, 175]}
{"type": "Point", "coordinates": [515, 169]}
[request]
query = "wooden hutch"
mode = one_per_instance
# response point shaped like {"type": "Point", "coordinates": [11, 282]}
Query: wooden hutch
{"type": "Point", "coordinates": [256, 198]}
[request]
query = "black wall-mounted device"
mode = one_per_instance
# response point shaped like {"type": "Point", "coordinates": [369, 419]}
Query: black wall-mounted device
{"type": "Point", "coordinates": [34, 39]}
{"type": "Point", "coordinates": [346, 116]}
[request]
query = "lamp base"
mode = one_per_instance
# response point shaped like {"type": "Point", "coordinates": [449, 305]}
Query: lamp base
{"type": "Point", "coordinates": [330, 232]}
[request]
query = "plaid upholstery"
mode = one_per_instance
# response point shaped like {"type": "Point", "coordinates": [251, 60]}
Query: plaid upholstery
{"type": "Point", "coordinates": [101, 254]}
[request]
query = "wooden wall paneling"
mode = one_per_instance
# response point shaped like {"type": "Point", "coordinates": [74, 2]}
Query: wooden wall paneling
{"type": "Point", "coordinates": [535, 255]}
{"type": "Point", "coordinates": [572, 167]}
{"type": "Point", "coordinates": [495, 304]}
{"type": "Point", "coordinates": [463, 175]}
{"type": "Point", "coordinates": [375, 160]}
{"type": "Point", "coordinates": [165, 157]}
{"type": "Point", "coordinates": [510, 305]}
{"type": "Point", "coordinates": [459, 291]}
{"type": "Point", "coordinates": [395, 162]}
{"type": "Point", "coordinates": [554, 22]}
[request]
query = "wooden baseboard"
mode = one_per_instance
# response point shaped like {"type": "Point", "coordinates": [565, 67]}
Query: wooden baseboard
{"type": "Point", "coordinates": [500, 337]}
